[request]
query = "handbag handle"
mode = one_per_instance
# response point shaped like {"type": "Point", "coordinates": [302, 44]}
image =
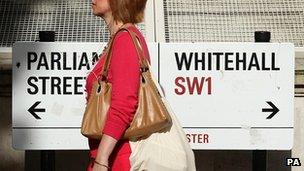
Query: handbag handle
{"type": "Point", "coordinates": [144, 66]}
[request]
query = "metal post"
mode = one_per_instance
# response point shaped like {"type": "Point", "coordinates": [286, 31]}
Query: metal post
{"type": "Point", "coordinates": [259, 160]}
{"type": "Point", "coordinates": [259, 157]}
{"type": "Point", "coordinates": [47, 160]}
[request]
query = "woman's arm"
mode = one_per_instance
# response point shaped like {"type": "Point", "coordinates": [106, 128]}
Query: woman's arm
{"type": "Point", "coordinates": [125, 79]}
{"type": "Point", "coordinates": [105, 149]}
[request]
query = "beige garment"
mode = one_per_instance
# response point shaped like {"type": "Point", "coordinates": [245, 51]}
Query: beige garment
{"type": "Point", "coordinates": [167, 151]}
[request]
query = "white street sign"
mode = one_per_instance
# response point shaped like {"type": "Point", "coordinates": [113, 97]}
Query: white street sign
{"type": "Point", "coordinates": [48, 93]}
{"type": "Point", "coordinates": [231, 95]}
{"type": "Point", "coordinates": [226, 95]}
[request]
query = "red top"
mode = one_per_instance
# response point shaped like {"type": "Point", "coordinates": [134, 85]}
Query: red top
{"type": "Point", "coordinates": [124, 74]}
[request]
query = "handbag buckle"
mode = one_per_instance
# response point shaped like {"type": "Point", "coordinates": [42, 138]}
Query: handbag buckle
{"type": "Point", "coordinates": [144, 69]}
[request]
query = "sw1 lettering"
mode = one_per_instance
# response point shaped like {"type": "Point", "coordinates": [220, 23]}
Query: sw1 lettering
{"type": "Point", "coordinates": [189, 84]}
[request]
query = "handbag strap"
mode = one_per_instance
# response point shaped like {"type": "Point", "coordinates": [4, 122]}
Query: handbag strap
{"type": "Point", "coordinates": [144, 65]}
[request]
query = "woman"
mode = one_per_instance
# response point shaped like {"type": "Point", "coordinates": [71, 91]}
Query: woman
{"type": "Point", "coordinates": [112, 152]}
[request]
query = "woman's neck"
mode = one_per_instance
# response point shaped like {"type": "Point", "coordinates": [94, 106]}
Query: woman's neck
{"type": "Point", "coordinates": [112, 25]}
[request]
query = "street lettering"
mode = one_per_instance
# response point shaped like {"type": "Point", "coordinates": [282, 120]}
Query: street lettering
{"type": "Point", "coordinates": [55, 85]}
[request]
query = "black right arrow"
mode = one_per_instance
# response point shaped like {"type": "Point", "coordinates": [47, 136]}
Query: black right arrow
{"type": "Point", "coordinates": [273, 109]}
{"type": "Point", "coordinates": [33, 109]}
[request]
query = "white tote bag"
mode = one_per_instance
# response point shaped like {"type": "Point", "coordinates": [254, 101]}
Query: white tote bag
{"type": "Point", "coordinates": [165, 151]}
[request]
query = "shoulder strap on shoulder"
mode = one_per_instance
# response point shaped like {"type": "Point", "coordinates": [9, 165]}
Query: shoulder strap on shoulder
{"type": "Point", "coordinates": [144, 65]}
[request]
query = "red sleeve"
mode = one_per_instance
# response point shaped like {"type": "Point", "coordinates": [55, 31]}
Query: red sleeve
{"type": "Point", "coordinates": [125, 77]}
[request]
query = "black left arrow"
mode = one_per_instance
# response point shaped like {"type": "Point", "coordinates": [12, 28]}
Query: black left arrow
{"type": "Point", "coordinates": [273, 109]}
{"type": "Point", "coordinates": [33, 109]}
{"type": "Point", "coordinates": [18, 64]}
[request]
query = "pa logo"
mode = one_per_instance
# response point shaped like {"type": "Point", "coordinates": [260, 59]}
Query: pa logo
{"type": "Point", "coordinates": [293, 162]}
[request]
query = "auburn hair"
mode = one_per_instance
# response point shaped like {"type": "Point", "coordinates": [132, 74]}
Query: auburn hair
{"type": "Point", "coordinates": [128, 11]}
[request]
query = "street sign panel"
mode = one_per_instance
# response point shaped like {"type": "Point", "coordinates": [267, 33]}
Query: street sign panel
{"type": "Point", "coordinates": [231, 95]}
{"type": "Point", "coordinates": [48, 81]}
{"type": "Point", "coordinates": [48, 92]}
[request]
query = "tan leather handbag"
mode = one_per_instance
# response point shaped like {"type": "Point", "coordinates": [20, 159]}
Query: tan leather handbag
{"type": "Point", "coordinates": [151, 114]}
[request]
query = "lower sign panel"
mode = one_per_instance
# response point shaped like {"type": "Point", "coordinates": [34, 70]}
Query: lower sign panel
{"type": "Point", "coordinates": [53, 139]}
{"type": "Point", "coordinates": [238, 139]}
{"type": "Point", "coordinates": [241, 138]}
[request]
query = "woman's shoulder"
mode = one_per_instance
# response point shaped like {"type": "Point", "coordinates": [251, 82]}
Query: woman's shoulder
{"type": "Point", "coordinates": [123, 34]}
{"type": "Point", "coordinates": [122, 38]}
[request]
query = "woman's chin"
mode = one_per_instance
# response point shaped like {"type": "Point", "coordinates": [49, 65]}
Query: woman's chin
{"type": "Point", "coordinates": [95, 13]}
{"type": "Point", "coordinates": [93, 10]}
